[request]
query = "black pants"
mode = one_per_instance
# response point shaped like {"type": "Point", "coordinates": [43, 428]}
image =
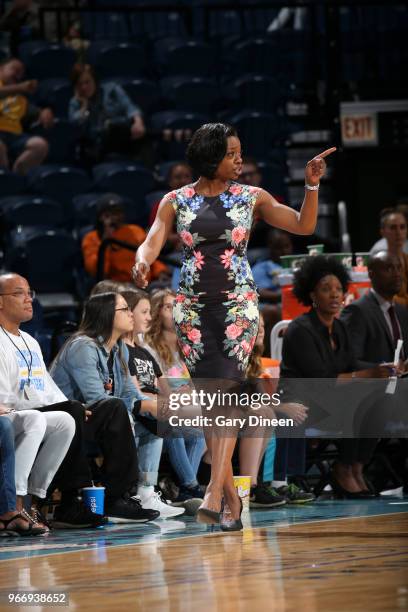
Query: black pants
{"type": "Point", "coordinates": [109, 426]}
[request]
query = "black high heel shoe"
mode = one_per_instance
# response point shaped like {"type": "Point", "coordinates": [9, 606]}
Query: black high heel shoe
{"type": "Point", "coordinates": [208, 516]}
{"type": "Point", "coordinates": [227, 523]}
{"type": "Point", "coordinates": [344, 494]}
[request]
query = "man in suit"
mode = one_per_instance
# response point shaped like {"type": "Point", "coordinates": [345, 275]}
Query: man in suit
{"type": "Point", "coordinates": [374, 321]}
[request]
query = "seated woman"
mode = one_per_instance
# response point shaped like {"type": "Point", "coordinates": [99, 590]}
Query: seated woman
{"type": "Point", "coordinates": [146, 372]}
{"type": "Point", "coordinates": [92, 368]}
{"type": "Point", "coordinates": [317, 345]}
{"type": "Point", "coordinates": [185, 452]}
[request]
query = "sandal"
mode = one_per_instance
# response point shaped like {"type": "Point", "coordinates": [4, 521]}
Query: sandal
{"type": "Point", "coordinates": [4, 533]}
{"type": "Point", "coordinates": [33, 527]}
{"type": "Point", "coordinates": [39, 518]}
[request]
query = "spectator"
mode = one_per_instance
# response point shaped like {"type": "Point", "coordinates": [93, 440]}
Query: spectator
{"type": "Point", "coordinates": [110, 223]}
{"type": "Point", "coordinates": [179, 175]}
{"type": "Point", "coordinates": [376, 321]}
{"type": "Point", "coordinates": [146, 371]}
{"type": "Point", "coordinates": [15, 114]}
{"type": "Point", "coordinates": [317, 345]}
{"type": "Point", "coordinates": [109, 120]}
{"type": "Point", "coordinates": [382, 245]}
{"type": "Point", "coordinates": [38, 411]}
{"type": "Point", "coordinates": [12, 521]}
{"type": "Point", "coordinates": [394, 230]}
{"type": "Point", "coordinates": [92, 367]}
{"type": "Point", "coordinates": [185, 452]}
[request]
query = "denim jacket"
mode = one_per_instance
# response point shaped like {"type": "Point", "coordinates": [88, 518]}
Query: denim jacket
{"type": "Point", "coordinates": [81, 371]}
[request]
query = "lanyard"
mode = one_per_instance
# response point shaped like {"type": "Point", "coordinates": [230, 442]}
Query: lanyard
{"type": "Point", "coordinates": [29, 365]}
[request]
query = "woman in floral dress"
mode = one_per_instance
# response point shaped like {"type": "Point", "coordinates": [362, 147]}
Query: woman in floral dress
{"type": "Point", "coordinates": [216, 309]}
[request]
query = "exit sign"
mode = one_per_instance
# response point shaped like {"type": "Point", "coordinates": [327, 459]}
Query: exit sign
{"type": "Point", "coordinates": [359, 129]}
{"type": "Point", "coordinates": [369, 123]}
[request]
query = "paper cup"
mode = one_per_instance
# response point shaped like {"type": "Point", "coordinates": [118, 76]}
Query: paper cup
{"type": "Point", "coordinates": [315, 249]}
{"type": "Point", "coordinates": [344, 258]}
{"type": "Point", "coordinates": [94, 498]}
{"type": "Point", "coordinates": [292, 261]}
{"type": "Point", "coordinates": [362, 259]}
{"type": "Point", "coordinates": [243, 486]}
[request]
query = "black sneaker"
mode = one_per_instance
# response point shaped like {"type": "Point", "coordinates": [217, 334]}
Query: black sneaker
{"type": "Point", "coordinates": [263, 496]}
{"type": "Point", "coordinates": [76, 515]}
{"type": "Point", "coordinates": [127, 509]}
{"type": "Point", "coordinates": [186, 494]}
{"type": "Point", "coordinates": [295, 495]}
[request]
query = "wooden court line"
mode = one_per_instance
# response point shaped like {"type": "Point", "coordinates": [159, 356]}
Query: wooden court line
{"type": "Point", "coordinates": [205, 535]}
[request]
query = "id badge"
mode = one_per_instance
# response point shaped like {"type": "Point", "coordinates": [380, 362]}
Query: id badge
{"type": "Point", "coordinates": [30, 393]}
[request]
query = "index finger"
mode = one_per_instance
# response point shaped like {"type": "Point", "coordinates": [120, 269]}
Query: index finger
{"type": "Point", "coordinates": [326, 152]}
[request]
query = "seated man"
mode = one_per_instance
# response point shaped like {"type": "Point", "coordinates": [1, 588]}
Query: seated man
{"type": "Point", "coordinates": [110, 223]}
{"type": "Point", "coordinates": [15, 113]}
{"type": "Point", "coordinates": [386, 230]}
{"type": "Point", "coordinates": [25, 385]}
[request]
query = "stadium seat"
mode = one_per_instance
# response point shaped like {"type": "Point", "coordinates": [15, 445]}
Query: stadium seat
{"type": "Point", "coordinates": [30, 210]}
{"type": "Point", "coordinates": [154, 197]}
{"type": "Point", "coordinates": [60, 183]}
{"type": "Point", "coordinates": [142, 91]}
{"type": "Point", "coordinates": [256, 92]}
{"type": "Point", "coordinates": [256, 55]}
{"type": "Point", "coordinates": [105, 26]}
{"type": "Point", "coordinates": [186, 57]}
{"type": "Point", "coordinates": [157, 24]}
{"type": "Point", "coordinates": [85, 209]}
{"type": "Point", "coordinates": [50, 61]}
{"type": "Point", "coordinates": [10, 183]}
{"type": "Point", "coordinates": [55, 93]}
{"type": "Point", "coordinates": [47, 258]}
{"type": "Point", "coordinates": [190, 93]}
{"type": "Point", "coordinates": [120, 60]}
{"type": "Point", "coordinates": [258, 131]}
{"type": "Point", "coordinates": [62, 140]}
{"type": "Point", "coordinates": [175, 120]}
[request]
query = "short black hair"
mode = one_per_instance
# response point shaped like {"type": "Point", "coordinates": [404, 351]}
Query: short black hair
{"type": "Point", "coordinates": [312, 270]}
{"type": "Point", "coordinates": [208, 147]}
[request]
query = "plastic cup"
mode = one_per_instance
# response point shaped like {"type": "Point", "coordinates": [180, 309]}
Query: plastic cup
{"type": "Point", "coordinates": [292, 261]}
{"type": "Point", "coordinates": [243, 486]}
{"type": "Point", "coordinates": [362, 259]}
{"type": "Point", "coordinates": [344, 258]}
{"type": "Point", "coordinates": [315, 249]}
{"type": "Point", "coordinates": [94, 498]}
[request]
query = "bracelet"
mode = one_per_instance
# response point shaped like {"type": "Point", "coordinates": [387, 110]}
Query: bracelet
{"type": "Point", "coordinates": [312, 187]}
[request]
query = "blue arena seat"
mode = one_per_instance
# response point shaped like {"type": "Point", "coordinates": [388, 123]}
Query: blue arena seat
{"type": "Point", "coordinates": [157, 24]}
{"type": "Point", "coordinates": [10, 183]}
{"type": "Point", "coordinates": [59, 182]}
{"type": "Point", "coordinates": [85, 208]}
{"type": "Point", "coordinates": [28, 210]}
{"type": "Point", "coordinates": [190, 93]}
{"type": "Point", "coordinates": [62, 140]}
{"type": "Point", "coordinates": [256, 55]}
{"type": "Point", "coordinates": [114, 60]}
{"type": "Point", "coordinates": [128, 180]}
{"type": "Point", "coordinates": [55, 93]}
{"type": "Point", "coordinates": [257, 92]}
{"type": "Point", "coordinates": [258, 131]}
{"type": "Point", "coordinates": [47, 258]}
{"type": "Point", "coordinates": [186, 57]}
{"type": "Point", "coordinates": [142, 91]}
{"type": "Point", "coordinates": [105, 26]}
{"type": "Point", "coordinates": [50, 61]}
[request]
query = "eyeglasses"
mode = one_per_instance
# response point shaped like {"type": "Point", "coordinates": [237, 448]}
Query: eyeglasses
{"type": "Point", "coordinates": [22, 294]}
{"type": "Point", "coordinates": [125, 308]}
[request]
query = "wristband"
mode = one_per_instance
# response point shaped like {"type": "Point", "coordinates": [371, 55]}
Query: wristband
{"type": "Point", "coordinates": [312, 187]}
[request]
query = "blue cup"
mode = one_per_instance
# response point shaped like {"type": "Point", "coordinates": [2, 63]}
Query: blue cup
{"type": "Point", "coordinates": [94, 498]}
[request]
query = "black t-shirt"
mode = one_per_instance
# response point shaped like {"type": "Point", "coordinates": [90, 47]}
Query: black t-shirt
{"type": "Point", "coordinates": [144, 366]}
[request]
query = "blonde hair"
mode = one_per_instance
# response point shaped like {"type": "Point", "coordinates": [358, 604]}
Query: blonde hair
{"type": "Point", "coordinates": [154, 336]}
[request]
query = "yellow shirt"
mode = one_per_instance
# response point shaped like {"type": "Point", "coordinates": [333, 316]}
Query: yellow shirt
{"type": "Point", "coordinates": [12, 111]}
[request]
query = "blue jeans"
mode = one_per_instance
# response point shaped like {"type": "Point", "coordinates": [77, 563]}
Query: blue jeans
{"type": "Point", "coordinates": [7, 483]}
{"type": "Point", "coordinates": [185, 456]}
{"type": "Point", "coordinates": [149, 449]}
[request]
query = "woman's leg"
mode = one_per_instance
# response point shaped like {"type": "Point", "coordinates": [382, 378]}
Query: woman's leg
{"type": "Point", "coordinates": [179, 459]}
{"type": "Point", "coordinates": [365, 450]}
{"type": "Point", "coordinates": [342, 469]}
{"type": "Point", "coordinates": [149, 449]}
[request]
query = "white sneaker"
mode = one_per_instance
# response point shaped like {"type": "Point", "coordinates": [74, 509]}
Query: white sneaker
{"type": "Point", "coordinates": [155, 502]}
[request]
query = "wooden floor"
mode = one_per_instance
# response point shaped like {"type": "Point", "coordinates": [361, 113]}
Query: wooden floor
{"type": "Point", "coordinates": [342, 564]}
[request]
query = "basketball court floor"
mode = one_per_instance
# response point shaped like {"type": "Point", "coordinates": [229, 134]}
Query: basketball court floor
{"type": "Point", "coordinates": [332, 555]}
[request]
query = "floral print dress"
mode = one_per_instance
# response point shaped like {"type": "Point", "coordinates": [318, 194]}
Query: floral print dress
{"type": "Point", "coordinates": [216, 309]}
